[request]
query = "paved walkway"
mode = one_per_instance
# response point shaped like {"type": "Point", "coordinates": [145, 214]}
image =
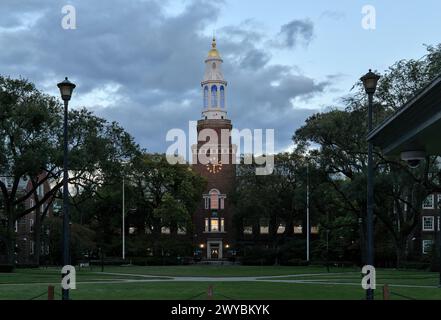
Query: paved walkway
{"type": "Point", "coordinates": [142, 278]}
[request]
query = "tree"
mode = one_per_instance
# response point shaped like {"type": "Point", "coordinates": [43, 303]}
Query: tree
{"type": "Point", "coordinates": [340, 135]}
{"type": "Point", "coordinates": [31, 150]}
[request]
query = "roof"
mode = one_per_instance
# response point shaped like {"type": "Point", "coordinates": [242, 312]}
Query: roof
{"type": "Point", "coordinates": [416, 126]}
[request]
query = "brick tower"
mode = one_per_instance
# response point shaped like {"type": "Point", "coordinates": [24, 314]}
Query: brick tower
{"type": "Point", "coordinates": [214, 159]}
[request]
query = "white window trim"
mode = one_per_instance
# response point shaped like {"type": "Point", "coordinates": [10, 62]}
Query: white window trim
{"type": "Point", "coordinates": [433, 223]}
{"type": "Point", "coordinates": [433, 202]}
{"type": "Point", "coordinates": [424, 245]}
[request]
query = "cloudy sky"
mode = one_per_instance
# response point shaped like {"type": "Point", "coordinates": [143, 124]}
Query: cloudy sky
{"type": "Point", "coordinates": [140, 62]}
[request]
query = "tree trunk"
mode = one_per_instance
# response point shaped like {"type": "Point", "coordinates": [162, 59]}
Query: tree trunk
{"type": "Point", "coordinates": [37, 239]}
{"type": "Point", "coordinates": [400, 246]}
{"type": "Point", "coordinates": [10, 239]}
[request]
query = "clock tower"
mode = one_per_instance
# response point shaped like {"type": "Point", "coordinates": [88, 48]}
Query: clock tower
{"type": "Point", "coordinates": [214, 158]}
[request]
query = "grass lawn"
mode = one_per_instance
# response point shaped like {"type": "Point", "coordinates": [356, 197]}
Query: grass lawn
{"type": "Point", "coordinates": [238, 282]}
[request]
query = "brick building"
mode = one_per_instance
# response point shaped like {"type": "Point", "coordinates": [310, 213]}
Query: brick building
{"type": "Point", "coordinates": [25, 247]}
{"type": "Point", "coordinates": [214, 158]}
{"type": "Point", "coordinates": [430, 225]}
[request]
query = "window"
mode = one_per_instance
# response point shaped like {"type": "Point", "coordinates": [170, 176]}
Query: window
{"type": "Point", "coordinates": [427, 246]}
{"type": "Point", "coordinates": [214, 225]}
{"type": "Point", "coordinates": [429, 202]}
{"type": "Point", "coordinates": [207, 226]}
{"type": "Point", "coordinates": [214, 96]}
{"type": "Point", "coordinates": [438, 223]}
{"type": "Point", "coordinates": [281, 229]}
{"type": "Point", "coordinates": [428, 224]}
{"type": "Point", "coordinates": [165, 230]}
{"type": "Point", "coordinates": [314, 230]}
{"type": "Point", "coordinates": [222, 220]}
{"type": "Point", "coordinates": [206, 97]}
{"type": "Point", "coordinates": [214, 200]}
{"type": "Point", "coordinates": [31, 225]}
{"type": "Point", "coordinates": [32, 247]}
{"type": "Point", "coordinates": [222, 97]}
{"type": "Point", "coordinates": [248, 230]}
{"type": "Point", "coordinates": [16, 226]}
{"type": "Point", "coordinates": [40, 190]}
{"type": "Point", "coordinates": [182, 231]}
{"type": "Point", "coordinates": [438, 202]}
{"type": "Point", "coordinates": [264, 226]}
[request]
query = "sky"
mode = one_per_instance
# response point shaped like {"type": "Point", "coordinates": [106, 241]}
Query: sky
{"type": "Point", "coordinates": [140, 62]}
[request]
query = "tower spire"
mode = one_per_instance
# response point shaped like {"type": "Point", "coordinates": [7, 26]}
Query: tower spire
{"type": "Point", "coordinates": [214, 85]}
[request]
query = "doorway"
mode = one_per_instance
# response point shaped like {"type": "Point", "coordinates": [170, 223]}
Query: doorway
{"type": "Point", "coordinates": [214, 250]}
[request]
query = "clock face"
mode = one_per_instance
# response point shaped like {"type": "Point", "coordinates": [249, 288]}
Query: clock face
{"type": "Point", "coordinates": [214, 166]}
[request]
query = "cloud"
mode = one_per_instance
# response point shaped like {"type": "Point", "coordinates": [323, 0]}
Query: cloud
{"type": "Point", "coordinates": [135, 64]}
{"type": "Point", "coordinates": [295, 32]}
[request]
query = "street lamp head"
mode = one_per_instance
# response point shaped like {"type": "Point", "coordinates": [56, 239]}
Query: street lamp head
{"type": "Point", "coordinates": [66, 88]}
{"type": "Point", "coordinates": [370, 81]}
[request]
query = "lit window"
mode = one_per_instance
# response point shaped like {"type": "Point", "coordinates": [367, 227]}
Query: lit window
{"type": "Point", "coordinates": [298, 229]}
{"type": "Point", "coordinates": [314, 230]}
{"type": "Point", "coordinates": [427, 246]}
{"type": "Point", "coordinates": [182, 231]}
{"type": "Point", "coordinates": [264, 226]}
{"type": "Point", "coordinates": [428, 203]}
{"type": "Point", "coordinates": [131, 230]}
{"type": "Point", "coordinates": [165, 230]}
{"type": "Point", "coordinates": [206, 225]}
{"type": "Point", "coordinates": [281, 229]}
{"type": "Point", "coordinates": [248, 230]}
{"type": "Point", "coordinates": [428, 224]}
{"type": "Point", "coordinates": [214, 225]}
{"type": "Point", "coordinates": [16, 226]}
{"type": "Point", "coordinates": [222, 220]}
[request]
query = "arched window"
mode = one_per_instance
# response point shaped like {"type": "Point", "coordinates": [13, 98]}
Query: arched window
{"type": "Point", "coordinates": [222, 97]}
{"type": "Point", "coordinates": [214, 96]}
{"type": "Point", "coordinates": [214, 199]}
{"type": "Point", "coordinates": [206, 97]}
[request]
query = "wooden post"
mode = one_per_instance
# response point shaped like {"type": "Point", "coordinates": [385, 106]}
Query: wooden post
{"type": "Point", "coordinates": [210, 292]}
{"type": "Point", "coordinates": [50, 292]}
{"type": "Point", "coordinates": [386, 292]}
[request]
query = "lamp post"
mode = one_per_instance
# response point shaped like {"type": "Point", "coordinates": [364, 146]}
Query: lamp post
{"type": "Point", "coordinates": [66, 88]}
{"type": "Point", "coordinates": [123, 219]}
{"type": "Point", "coordinates": [308, 227]}
{"type": "Point", "coordinates": [370, 81]}
{"type": "Point", "coordinates": [439, 240]}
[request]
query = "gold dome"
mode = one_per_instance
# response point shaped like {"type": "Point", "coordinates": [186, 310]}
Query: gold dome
{"type": "Point", "coordinates": [213, 53]}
